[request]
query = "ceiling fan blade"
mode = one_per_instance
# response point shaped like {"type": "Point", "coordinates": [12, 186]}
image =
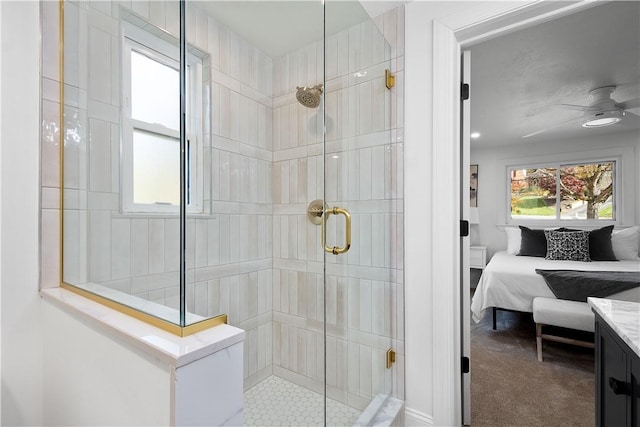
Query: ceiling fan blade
{"type": "Point", "coordinates": [575, 107]}
{"type": "Point", "coordinates": [630, 104]}
{"type": "Point", "coordinates": [630, 114]}
{"type": "Point", "coordinates": [551, 127]}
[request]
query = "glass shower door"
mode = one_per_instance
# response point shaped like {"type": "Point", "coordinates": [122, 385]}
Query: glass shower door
{"type": "Point", "coordinates": [363, 264]}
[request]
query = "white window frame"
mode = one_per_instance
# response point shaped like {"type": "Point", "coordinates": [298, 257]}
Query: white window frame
{"type": "Point", "coordinates": [557, 166]}
{"type": "Point", "coordinates": [140, 41]}
{"type": "Point", "coordinates": [623, 192]}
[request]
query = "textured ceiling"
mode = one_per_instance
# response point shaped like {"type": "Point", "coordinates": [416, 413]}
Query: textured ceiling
{"type": "Point", "coordinates": [517, 78]}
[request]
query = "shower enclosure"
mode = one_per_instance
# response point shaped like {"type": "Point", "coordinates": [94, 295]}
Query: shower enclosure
{"type": "Point", "coordinates": [241, 161]}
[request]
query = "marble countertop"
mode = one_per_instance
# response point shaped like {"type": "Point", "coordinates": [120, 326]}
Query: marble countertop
{"type": "Point", "coordinates": [174, 350]}
{"type": "Point", "coordinates": [622, 316]}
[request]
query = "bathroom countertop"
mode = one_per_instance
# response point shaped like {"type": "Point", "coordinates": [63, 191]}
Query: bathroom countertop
{"type": "Point", "coordinates": [176, 351]}
{"type": "Point", "coordinates": [622, 316]}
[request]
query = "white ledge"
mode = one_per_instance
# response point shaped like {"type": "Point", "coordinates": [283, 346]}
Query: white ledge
{"type": "Point", "coordinates": [172, 349]}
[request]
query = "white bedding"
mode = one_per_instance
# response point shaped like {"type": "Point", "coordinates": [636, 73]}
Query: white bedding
{"type": "Point", "coordinates": [511, 282]}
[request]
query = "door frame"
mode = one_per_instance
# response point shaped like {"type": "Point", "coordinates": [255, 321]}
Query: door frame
{"type": "Point", "coordinates": [432, 156]}
{"type": "Point", "coordinates": [465, 37]}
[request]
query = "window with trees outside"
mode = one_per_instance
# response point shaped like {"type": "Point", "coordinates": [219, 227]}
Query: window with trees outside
{"type": "Point", "coordinates": [583, 191]}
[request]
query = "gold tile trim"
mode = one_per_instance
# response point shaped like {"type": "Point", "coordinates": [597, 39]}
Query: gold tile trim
{"type": "Point", "coordinates": [194, 328]}
{"type": "Point", "coordinates": [122, 308]}
{"type": "Point", "coordinates": [147, 318]}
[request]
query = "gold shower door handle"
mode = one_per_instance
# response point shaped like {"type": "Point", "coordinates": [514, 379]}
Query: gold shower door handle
{"type": "Point", "coordinates": [347, 216]}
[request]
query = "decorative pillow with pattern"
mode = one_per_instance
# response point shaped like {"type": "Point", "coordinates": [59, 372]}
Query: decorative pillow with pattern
{"type": "Point", "coordinates": [567, 246]}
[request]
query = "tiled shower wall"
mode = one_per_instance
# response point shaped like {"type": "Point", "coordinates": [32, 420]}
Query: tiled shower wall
{"type": "Point", "coordinates": [364, 169]}
{"type": "Point", "coordinates": [266, 157]}
{"type": "Point", "coordinates": [229, 252]}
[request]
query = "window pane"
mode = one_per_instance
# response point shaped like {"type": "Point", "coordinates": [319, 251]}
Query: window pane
{"type": "Point", "coordinates": [533, 193]}
{"type": "Point", "coordinates": [156, 169]}
{"type": "Point", "coordinates": [587, 191]}
{"type": "Point", "coordinates": [155, 92]}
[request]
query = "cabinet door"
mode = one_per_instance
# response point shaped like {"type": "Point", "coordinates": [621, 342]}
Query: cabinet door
{"type": "Point", "coordinates": [635, 393]}
{"type": "Point", "coordinates": [612, 363]}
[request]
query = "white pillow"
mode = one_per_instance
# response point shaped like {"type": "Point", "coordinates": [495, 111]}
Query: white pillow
{"type": "Point", "coordinates": [514, 238]}
{"type": "Point", "coordinates": [625, 243]}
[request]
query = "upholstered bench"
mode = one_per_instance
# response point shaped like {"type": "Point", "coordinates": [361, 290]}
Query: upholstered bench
{"type": "Point", "coordinates": [563, 313]}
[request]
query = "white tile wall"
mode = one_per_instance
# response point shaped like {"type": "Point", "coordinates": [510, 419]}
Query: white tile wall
{"type": "Point", "coordinates": [363, 170]}
{"type": "Point", "coordinates": [254, 255]}
{"type": "Point", "coordinates": [50, 148]}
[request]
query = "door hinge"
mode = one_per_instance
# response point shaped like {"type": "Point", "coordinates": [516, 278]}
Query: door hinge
{"type": "Point", "coordinates": [391, 358]}
{"type": "Point", "coordinates": [464, 228]}
{"type": "Point", "coordinates": [389, 79]}
{"type": "Point", "coordinates": [464, 91]}
{"type": "Point", "coordinates": [465, 365]}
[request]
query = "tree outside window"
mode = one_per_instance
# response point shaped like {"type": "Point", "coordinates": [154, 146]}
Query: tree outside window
{"type": "Point", "coordinates": [576, 192]}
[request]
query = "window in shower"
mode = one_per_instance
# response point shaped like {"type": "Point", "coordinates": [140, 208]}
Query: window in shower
{"type": "Point", "coordinates": [151, 126]}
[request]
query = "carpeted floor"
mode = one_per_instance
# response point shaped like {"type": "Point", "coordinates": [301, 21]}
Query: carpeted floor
{"type": "Point", "coordinates": [509, 387]}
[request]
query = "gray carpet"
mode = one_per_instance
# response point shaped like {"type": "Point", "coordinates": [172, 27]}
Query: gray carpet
{"type": "Point", "coordinates": [509, 387]}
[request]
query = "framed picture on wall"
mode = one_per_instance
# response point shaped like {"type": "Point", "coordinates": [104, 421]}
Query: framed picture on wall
{"type": "Point", "coordinates": [473, 188]}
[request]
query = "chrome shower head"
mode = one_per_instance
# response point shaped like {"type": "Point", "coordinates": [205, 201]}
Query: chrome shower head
{"type": "Point", "coordinates": [309, 96]}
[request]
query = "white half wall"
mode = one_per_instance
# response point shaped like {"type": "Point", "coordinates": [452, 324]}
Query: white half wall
{"type": "Point", "coordinates": [90, 378]}
{"type": "Point", "coordinates": [492, 175]}
{"type": "Point", "coordinates": [20, 177]}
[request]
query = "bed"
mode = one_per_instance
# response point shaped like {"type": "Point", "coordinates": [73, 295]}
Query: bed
{"type": "Point", "coordinates": [510, 281]}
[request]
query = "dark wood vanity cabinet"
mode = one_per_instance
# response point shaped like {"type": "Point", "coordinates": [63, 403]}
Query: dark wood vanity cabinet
{"type": "Point", "coordinates": [617, 380]}
{"type": "Point", "coordinates": [635, 395]}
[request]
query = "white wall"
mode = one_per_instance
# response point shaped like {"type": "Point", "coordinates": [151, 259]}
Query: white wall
{"type": "Point", "coordinates": [91, 378]}
{"type": "Point", "coordinates": [423, 343]}
{"type": "Point", "coordinates": [490, 161]}
{"type": "Point", "coordinates": [21, 334]}
{"type": "Point", "coordinates": [0, 221]}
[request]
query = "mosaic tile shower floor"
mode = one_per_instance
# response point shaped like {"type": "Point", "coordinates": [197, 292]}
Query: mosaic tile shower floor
{"type": "Point", "coordinates": [278, 402]}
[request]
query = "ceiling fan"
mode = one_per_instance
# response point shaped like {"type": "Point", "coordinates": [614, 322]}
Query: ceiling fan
{"type": "Point", "coordinates": [602, 111]}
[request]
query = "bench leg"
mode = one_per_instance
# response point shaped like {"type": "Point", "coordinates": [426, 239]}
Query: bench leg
{"type": "Point", "coordinates": [494, 318]}
{"type": "Point", "coordinates": [539, 340]}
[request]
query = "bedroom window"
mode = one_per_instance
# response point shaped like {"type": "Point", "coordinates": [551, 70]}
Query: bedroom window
{"type": "Point", "coordinates": [582, 191]}
{"type": "Point", "coordinates": [150, 126]}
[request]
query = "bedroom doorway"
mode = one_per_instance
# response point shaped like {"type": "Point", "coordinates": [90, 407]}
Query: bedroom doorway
{"type": "Point", "coordinates": [484, 32]}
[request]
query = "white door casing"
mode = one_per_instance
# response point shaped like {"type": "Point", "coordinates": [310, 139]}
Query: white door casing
{"type": "Point", "coordinates": [465, 296]}
{"type": "Point", "coordinates": [434, 33]}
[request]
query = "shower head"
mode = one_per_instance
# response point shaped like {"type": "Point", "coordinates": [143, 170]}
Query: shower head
{"type": "Point", "coordinates": [309, 96]}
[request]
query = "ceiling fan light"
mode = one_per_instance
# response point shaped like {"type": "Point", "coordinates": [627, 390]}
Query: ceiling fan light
{"type": "Point", "coordinates": [601, 118]}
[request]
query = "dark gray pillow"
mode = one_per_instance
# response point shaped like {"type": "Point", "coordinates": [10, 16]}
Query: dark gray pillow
{"type": "Point", "coordinates": [567, 245]}
{"type": "Point", "coordinates": [600, 247]}
{"type": "Point", "coordinates": [532, 242]}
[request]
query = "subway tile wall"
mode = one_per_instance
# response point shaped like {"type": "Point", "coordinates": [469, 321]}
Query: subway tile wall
{"type": "Point", "coordinates": [362, 168]}
{"type": "Point", "coordinates": [229, 249]}
{"type": "Point", "coordinates": [254, 254]}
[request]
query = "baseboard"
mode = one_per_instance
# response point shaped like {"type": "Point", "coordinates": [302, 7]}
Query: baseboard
{"type": "Point", "coordinates": [416, 418]}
